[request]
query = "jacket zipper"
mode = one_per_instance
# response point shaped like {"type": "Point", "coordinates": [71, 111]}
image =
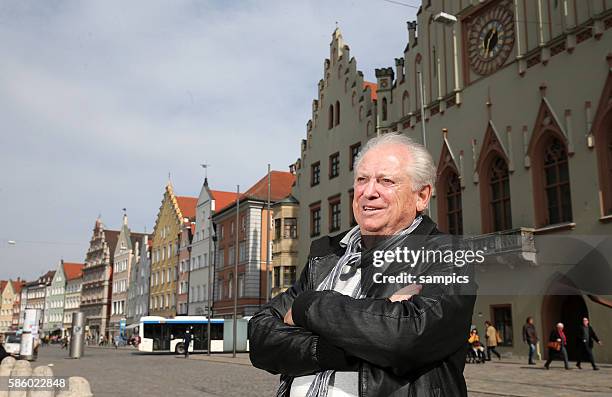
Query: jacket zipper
{"type": "Point", "coordinates": [361, 390]}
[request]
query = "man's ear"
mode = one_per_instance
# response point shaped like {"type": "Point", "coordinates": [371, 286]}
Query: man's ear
{"type": "Point", "coordinates": [423, 197]}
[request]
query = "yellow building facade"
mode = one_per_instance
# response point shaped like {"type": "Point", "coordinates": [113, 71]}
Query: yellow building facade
{"type": "Point", "coordinates": [164, 252]}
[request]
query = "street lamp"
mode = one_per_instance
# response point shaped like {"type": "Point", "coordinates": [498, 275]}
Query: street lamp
{"type": "Point", "coordinates": [445, 18]}
{"type": "Point", "coordinates": [12, 242]}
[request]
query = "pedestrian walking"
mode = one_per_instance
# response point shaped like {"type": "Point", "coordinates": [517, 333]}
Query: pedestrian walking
{"type": "Point", "coordinates": [585, 344]}
{"type": "Point", "coordinates": [492, 339]}
{"type": "Point", "coordinates": [530, 336]}
{"type": "Point", "coordinates": [557, 346]}
{"type": "Point", "coordinates": [187, 342]}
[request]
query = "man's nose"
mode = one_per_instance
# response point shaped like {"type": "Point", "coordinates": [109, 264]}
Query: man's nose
{"type": "Point", "coordinates": [370, 190]}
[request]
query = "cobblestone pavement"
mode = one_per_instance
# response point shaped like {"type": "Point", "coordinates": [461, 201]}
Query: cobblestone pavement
{"type": "Point", "coordinates": [125, 372]}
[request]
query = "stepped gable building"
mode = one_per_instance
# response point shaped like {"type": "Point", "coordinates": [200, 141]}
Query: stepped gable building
{"type": "Point", "coordinates": [251, 281]}
{"type": "Point", "coordinates": [184, 258]}
{"type": "Point", "coordinates": [18, 286]}
{"type": "Point", "coordinates": [343, 119]}
{"type": "Point", "coordinates": [97, 278]}
{"type": "Point", "coordinates": [201, 276]}
{"type": "Point", "coordinates": [122, 266]}
{"type": "Point", "coordinates": [140, 276]}
{"type": "Point", "coordinates": [165, 251]}
{"type": "Point", "coordinates": [517, 116]}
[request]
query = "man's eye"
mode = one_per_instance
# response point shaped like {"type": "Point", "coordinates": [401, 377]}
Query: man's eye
{"type": "Point", "coordinates": [361, 179]}
{"type": "Point", "coordinates": [386, 182]}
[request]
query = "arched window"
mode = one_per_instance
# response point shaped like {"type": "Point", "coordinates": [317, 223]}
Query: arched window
{"type": "Point", "coordinates": [337, 117]}
{"type": "Point", "coordinates": [339, 72]}
{"type": "Point", "coordinates": [330, 117]}
{"type": "Point", "coordinates": [360, 113]}
{"type": "Point", "coordinates": [405, 103]}
{"type": "Point", "coordinates": [354, 98]}
{"type": "Point", "coordinates": [556, 181]}
{"type": "Point", "coordinates": [384, 109]}
{"type": "Point", "coordinates": [346, 84]}
{"type": "Point", "coordinates": [369, 128]}
{"type": "Point", "coordinates": [452, 196]}
{"type": "Point", "coordinates": [499, 195]}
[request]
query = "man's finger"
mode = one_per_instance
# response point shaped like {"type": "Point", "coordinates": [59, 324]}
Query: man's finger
{"type": "Point", "coordinates": [288, 318]}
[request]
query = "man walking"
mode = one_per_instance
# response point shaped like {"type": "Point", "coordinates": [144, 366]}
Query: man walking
{"type": "Point", "coordinates": [530, 336]}
{"type": "Point", "coordinates": [585, 343]}
{"type": "Point", "coordinates": [187, 342]}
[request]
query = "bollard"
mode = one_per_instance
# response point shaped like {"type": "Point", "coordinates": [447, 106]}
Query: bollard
{"type": "Point", "coordinates": [77, 387]}
{"type": "Point", "coordinates": [42, 371]}
{"type": "Point", "coordinates": [5, 371]}
{"type": "Point", "coordinates": [77, 338]}
{"type": "Point", "coordinates": [21, 369]}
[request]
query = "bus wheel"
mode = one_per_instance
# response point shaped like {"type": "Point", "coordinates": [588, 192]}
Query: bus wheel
{"type": "Point", "coordinates": [180, 348]}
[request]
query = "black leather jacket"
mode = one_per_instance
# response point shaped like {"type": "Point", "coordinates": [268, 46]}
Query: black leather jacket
{"type": "Point", "coordinates": [410, 348]}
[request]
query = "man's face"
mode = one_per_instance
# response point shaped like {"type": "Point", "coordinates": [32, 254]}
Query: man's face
{"type": "Point", "coordinates": [585, 321]}
{"type": "Point", "coordinates": [384, 202]}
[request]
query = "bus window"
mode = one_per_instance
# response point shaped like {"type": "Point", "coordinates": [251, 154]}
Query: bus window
{"type": "Point", "coordinates": [216, 331]}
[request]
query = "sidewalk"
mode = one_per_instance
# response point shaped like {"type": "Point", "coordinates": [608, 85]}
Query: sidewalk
{"type": "Point", "coordinates": [226, 358]}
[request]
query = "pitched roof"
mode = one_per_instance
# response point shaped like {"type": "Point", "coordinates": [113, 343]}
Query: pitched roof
{"type": "Point", "coordinates": [187, 205]}
{"type": "Point", "coordinates": [2, 285]}
{"type": "Point", "coordinates": [73, 270]}
{"type": "Point", "coordinates": [280, 186]}
{"type": "Point", "coordinates": [373, 87]}
{"type": "Point", "coordinates": [18, 285]}
{"type": "Point", "coordinates": [222, 199]}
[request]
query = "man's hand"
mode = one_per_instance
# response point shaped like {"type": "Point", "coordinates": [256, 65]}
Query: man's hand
{"type": "Point", "coordinates": [288, 318]}
{"type": "Point", "coordinates": [402, 294]}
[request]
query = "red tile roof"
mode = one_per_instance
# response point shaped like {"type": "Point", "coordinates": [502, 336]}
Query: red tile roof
{"type": "Point", "coordinates": [18, 285]}
{"type": "Point", "coordinates": [280, 186]}
{"type": "Point", "coordinates": [73, 270]}
{"type": "Point", "coordinates": [2, 285]}
{"type": "Point", "coordinates": [222, 199]}
{"type": "Point", "coordinates": [187, 205]}
{"type": "Point", "coordinates": [373, 87]}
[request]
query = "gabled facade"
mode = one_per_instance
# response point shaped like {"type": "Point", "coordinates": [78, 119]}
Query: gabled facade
{"type": "Point", "coordinates": [184, 258]}
{"type": "Point", "coordinates": [165, 256]}
{"type": "Point", "coordinates": [344, 117]}
{"type": "Point", "coordinates": [249, 221]}
{"type": "Point", "coordinates": [203, 246]}
{"type": "Point", "coordinates": [123, 258]}
{"type": "Point", "coordinates": [97, 278]}
{"type": "Point", "coordinates": [6, 305]}
{"type": "Point", "coordinates": [54, 321]}
{"type": "Point", "coordinates": [18, 290]}
{"type": "Point", "coordinates": [72, 296]}
{"type": "Point", "coordinates": [140, 277]}
{"type": "Point", "coordinates": [519, 130]}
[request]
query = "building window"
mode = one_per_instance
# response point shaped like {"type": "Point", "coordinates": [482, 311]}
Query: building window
{"type": "Point", "coordinates": [315, 173]}
{"type": "Point", "coordinates": [334, 165]}
{"type": "Point", "coordinates": [242, 251]}
{"type": "Point", "coordinates": [334, 214]}
{"type": "Point", "coordinates": [276, 277]}
{"type": "Point", "coordinates": [499, 199]}
{"type": "Point", "coordinates": [290, 228]}
{"type": "Point", "coordinates": [240, 285]}
{"type": "Point", "coordinates": [221, 230]}
{"type": "Point", "coordinates": [353, 153]}
{"type": "Point", "coordinates": [330, 117]}
{"type": "Point", "coordinates": [232, 254]}
{"type": "Point", "coordinates": [354, 98]}
{"type": "Point", "coordinates": [288, 276]}
{"type": "Point", "coordinates": [384, 109]}
{"type": "Point", "coordinates": [315, 219]}
{"type": "Point", "coordinates": [230, 286]}
{"type": "Point", "coordinates": [221, 257]}
{"type": "Point", "coordinates": [277, 229]}
{"type": "Point", "coordinates": [556, 182]}
{"type": "Point", "coordinates": [453, 204]}
{"type": "Point", "coordinates": [501, 316]}
{"type": "Point", "coordinates": [405, 103]}
{"type": "Point", "coordinates": [337, 117]}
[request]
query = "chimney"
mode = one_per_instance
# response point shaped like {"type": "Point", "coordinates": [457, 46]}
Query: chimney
{"type": "Point", "coordinates": [411, 34]}
{"type": "Point", "coordinates": [399, 69]}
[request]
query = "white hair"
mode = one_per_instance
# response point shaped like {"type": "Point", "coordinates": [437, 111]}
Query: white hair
{"type": "Point", "coordinates": [559, 325]}
{"type": "Point", "coordinates": [421, 170]}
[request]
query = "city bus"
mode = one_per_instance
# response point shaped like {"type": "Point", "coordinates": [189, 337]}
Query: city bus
{"type": "Point", "coordinates": [159, 334]}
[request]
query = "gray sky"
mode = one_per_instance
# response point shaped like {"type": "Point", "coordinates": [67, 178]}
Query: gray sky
{"type": "Point", "coordinates": [99, 100]}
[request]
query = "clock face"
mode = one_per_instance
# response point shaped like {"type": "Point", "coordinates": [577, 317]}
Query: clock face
{"type": "Point", "coordinates": [491, 39]}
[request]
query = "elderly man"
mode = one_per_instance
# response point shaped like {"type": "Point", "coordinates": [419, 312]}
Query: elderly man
{"type": "Point", "coordinates": [336, 332]}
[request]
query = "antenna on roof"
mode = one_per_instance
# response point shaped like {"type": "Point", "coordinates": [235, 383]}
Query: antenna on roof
{"type": "Point", "coordinates": [205, 166]}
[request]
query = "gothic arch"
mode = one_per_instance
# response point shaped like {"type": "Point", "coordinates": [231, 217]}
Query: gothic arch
{"type": "Point", "coordinates": [448, 192]}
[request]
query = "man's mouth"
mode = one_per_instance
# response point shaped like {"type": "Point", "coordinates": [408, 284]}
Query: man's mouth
{"type": "Point", "coordinates": [369, 209]}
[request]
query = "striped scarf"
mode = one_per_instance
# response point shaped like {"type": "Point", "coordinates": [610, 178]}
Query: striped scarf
{"type": "Point", "coordinates": [348, 266]}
